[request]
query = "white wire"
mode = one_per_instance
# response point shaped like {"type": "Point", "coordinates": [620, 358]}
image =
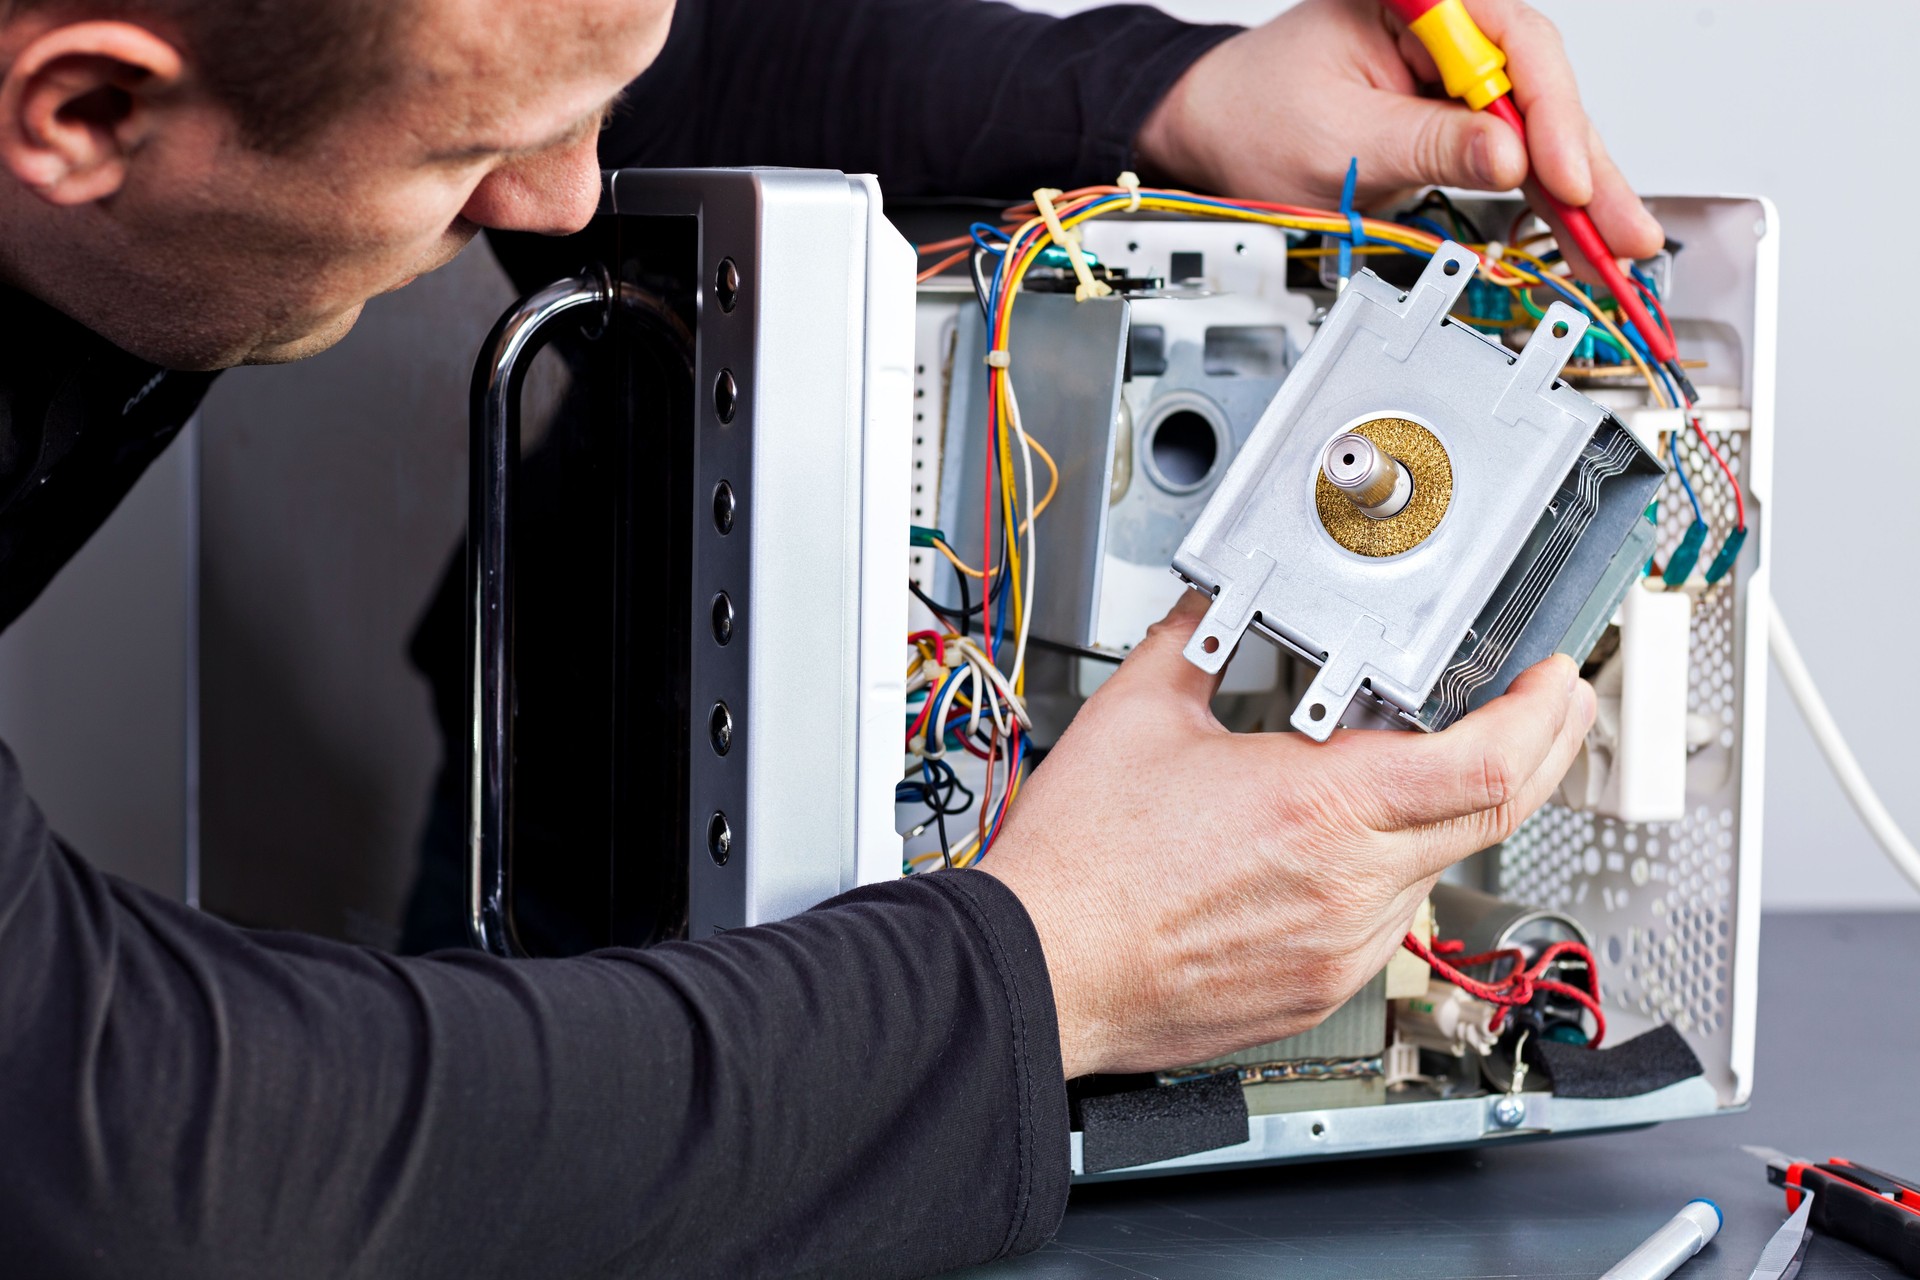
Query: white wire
{"type": "Point", "coordinates": [937, 725]}
{"type": "Point", "coordinates": [978, 657]}
{"type": "Point", "coordinates": [1846, 769]}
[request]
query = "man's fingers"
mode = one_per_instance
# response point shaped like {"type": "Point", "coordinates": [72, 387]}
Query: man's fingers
{"type": "Point", "coordinates": [1631, 231]}
{"type": "Point", "coordinates": [1439, 846]}
{"type": "Point", "coordinates": [1480, 763]}
{"type": "Point", "coordinates": [1543, 89]}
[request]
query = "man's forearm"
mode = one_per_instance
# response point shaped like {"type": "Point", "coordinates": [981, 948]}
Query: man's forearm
{"type": "Point", "coordinates": [801, 1097]}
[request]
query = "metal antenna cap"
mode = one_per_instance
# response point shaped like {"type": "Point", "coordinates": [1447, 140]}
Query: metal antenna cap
{"type": "Point", "coordinates": [1372, 479]}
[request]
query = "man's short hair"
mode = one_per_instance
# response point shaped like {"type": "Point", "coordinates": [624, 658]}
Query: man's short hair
{"type": "Point", "coordinates": [284, 67]}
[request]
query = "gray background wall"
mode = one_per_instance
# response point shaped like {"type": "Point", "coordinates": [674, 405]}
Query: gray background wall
{"type": "Point", "coordinates": [332, 492]}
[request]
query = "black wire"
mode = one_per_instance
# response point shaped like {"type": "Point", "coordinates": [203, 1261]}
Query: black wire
{"type": "Point", "coordinates": [914, 789]}
{"type": "Point", "coordinates": [1077, 650]}
{"type": "Point", "coordinates": [980, 285]}
{"type": "Point", "coordinates": [940, 823]}
{"type": "Point", "coordinates": [1461, 221]}
{"type": "Point", "coordinates": [966, 606]}
{"type": "Point", "coordinates": [940, 610]}
{"type": "Point", "coordinates": [1038, 642]}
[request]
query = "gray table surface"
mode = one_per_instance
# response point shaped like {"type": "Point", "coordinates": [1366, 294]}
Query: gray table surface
{"type": "Point", "coordinates": [1838, 1055]}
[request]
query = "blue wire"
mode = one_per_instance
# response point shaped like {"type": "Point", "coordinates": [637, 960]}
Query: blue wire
{"type": "Point", "coordinates": [980, 230]}
{"type": "Point", "coordinates": [1428, 225]}
{"type": "Point", "coordinates": [1673, 448]}
{"type": "Point", "coordinates": [1679, 469]}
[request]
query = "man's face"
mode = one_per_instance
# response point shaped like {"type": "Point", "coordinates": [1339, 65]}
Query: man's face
{"type": "Point", "coordinates": [213, 253]}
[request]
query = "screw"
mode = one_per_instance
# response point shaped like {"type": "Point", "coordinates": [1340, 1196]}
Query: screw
{"type": "Point", "coordinates": [722, 618]}
{"type": "Point", "coordinates": [723, 507]}
{"type": "Point", "coordinates": [726, 284]}
{"type": "Point", "coordinates": [719, 838]}
{"type": "Point", "coordinates": [1510, 1112]}
{"type": "Point", "coordinates": [726, 395]}
{"type": "Point", "coordinates": [720, 729]}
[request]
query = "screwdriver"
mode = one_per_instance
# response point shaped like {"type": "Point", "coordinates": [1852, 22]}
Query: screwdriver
{"type": "Point", "coordinates": [1473, 69]}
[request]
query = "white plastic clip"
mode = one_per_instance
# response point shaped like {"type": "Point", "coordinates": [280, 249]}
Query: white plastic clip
{"type": "Point", "coordinates": [1129, 181]}
{"type": "Point", "coordinates": [998, 358]}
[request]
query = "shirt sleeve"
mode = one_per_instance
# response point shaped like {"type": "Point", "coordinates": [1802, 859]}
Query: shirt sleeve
{"type": "Point", "coordinates": [872, 1088]}
{"type": "Point", "coordinates": [937, 97]}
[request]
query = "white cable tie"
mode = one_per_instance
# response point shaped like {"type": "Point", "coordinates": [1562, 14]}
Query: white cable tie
{"type": "Point", "coordinates": [998, 358]}
{"type": "Point", "coordinates": [1088, 287]}
{"type": "Point", "coordinates": [1129, 181]}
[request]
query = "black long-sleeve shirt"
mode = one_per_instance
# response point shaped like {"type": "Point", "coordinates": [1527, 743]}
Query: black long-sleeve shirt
{"type": "Point", "coordinates": [871, 1088]}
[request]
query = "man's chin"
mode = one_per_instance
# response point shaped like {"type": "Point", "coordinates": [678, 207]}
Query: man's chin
{"type": "Point", "coordinates": [308, 344]}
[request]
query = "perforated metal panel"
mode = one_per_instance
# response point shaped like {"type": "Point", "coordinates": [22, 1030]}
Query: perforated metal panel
{"type": "Point", "coordinates": [1661, 898]}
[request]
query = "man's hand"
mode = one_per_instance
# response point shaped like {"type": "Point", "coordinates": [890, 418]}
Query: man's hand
{"type": "Point", "coordinates": [1198, 892]}
{"type": "Point", "coordinates": [1275, 112]}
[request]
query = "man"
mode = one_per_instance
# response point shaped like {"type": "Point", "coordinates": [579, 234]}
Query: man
{"type": "Point", "coordinates": [875, 1087]}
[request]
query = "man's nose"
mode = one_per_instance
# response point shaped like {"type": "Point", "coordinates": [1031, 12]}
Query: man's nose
{"type": "Point", "coordinates": [554, 193]}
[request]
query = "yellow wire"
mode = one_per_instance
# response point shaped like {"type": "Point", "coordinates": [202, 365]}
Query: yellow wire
{"type": "Point", "coordinates": [1053, 482]}
{"type": "Point", "coordinates": [940, 545]}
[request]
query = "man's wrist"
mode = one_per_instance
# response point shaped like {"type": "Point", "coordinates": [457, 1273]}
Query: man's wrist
{"type": "Point", "coordinates": [1080, 995]}
{"type": "Point", "coordinates": [1165, 148]}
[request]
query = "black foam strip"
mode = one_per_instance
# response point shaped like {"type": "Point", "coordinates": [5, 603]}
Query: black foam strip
{"type": "Point", "coordinates": [1640, 1065]}
{"type": "Point", "coordinates": [1159, 1122]}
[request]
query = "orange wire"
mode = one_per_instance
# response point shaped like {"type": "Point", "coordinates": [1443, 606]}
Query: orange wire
{"type": "Point", "coordinates": [929, 273]}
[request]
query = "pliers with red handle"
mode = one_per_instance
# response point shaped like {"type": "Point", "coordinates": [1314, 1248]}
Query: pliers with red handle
{"type": "Point", "coordinates": [1864, 1206]}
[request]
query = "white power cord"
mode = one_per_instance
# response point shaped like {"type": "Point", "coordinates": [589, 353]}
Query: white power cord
{"type": "Point", "coordinates": [1846, 769]}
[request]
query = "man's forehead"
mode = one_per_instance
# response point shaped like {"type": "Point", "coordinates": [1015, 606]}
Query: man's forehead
{"type": "Point", "coordinates": [488, 62]}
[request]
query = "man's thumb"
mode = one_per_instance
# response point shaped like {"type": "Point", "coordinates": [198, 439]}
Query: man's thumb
{"type": "Point", "coordinates": [1445, 144]}
{"type": "Point", "coordinates": [1158, 660]}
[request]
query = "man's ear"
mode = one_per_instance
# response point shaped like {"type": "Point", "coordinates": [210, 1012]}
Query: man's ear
{"type": "Point", "coordinates": [77, 101]}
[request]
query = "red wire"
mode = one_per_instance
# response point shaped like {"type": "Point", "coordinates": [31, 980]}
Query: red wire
{"type": "Point", "coordinates": [1518, 987]}
{"type": "Point", "coordinates": [1693, 419]}
{"type": "Point", "coordinates": [1653, 299]}
{"type": "Point", "coordinates": [939, 644]}
{"type": "Point", "coordinates": [1739, 503]}
{"type": "Point", "coordinates": [1593, 246]}
{"type": "Point", "coordinates": [926, 709]}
